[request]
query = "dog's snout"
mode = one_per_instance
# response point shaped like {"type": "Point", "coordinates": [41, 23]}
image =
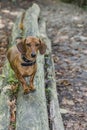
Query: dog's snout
{"type": "Point", "coordinates": [33, 55]}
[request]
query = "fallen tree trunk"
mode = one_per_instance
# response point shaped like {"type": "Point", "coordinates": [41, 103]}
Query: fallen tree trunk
{"type": "Point", "coordinates": [55, 121]}
{"type": "Point", "coordinates": [4, 86]}
{"type": "Point", "coordinates": [4, 109]}
{"type": "Point", "coordinates": [32, 109]}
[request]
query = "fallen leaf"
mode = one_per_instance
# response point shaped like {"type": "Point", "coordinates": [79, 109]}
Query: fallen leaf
{"type": "Point", "coordinates": [56, 59]}
{"type": "Point", "coordinates": [63, 111]}
{"type": "Point", "coordinates": [11, 103]}
{"type": "Point", "coordinates": [64, 82]}
{"type": "Point", "coordinates": [66, 101]}
{"type": "Point", "coordinates": [78, 100]}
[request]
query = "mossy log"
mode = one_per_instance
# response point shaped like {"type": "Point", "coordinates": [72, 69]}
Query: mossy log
{"type": "Point", "coordinates": [4, 109]}
{"type": "Point", "coordinates": [31, 109]}
{"type": "Point", "coordinates": [5, 77]}
{"type": "Point", "coordinates": [31, 112]}
{"type": "Point", "coordinates": [55, 122]}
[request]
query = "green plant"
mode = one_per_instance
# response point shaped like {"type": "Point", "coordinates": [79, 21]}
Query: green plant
{"type": "Point", "coordinates": [11, 76]}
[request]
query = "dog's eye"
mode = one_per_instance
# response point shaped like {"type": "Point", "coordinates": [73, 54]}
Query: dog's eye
{"type": "Point", "coordinates": [37, 45]}
{"type": "Point", "coordinates": [28, 44]}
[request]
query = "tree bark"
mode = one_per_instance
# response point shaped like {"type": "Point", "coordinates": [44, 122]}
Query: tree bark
{"type": "Point", "coordinates": [31, 112]}
{"type": "Point", "coordinates": [32, 109]}
{"type": "Point", "coordinates": [4, 85]}
{"type": "Point", "coordinates": [4, 109]}
{"type": "Point", "coordinates": [55, 122]}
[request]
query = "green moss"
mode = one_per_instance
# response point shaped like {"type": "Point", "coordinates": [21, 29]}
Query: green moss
{"type": "Point", "coordinates": [13, 124]}
{"type": "Point", "coordinates": [48, 93]}
{"type": "Point", "coordinates": [11, 75]}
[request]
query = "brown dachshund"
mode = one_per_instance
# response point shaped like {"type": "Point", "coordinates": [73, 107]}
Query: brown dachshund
{"type": "Point", "coordinates": [22, 58]}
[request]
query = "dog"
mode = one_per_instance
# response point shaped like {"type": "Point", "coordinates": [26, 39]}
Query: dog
{"type": "Point", "coordinates": [22, 59]}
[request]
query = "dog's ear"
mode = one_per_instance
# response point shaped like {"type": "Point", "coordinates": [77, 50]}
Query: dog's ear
{"type": "Point", "coordinates": [20, 44]}
{"type": "Point", "coordinates": [42, 47]}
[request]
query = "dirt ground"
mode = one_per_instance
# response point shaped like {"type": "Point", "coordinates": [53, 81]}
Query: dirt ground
{"type": "Point", "coordinates": [67, 29]}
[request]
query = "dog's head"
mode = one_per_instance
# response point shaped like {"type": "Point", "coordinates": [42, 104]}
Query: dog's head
{"type": "Point", "coordinates": [30, 46]}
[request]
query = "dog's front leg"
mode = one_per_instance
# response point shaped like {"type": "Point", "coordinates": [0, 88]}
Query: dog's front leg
{"type": "Point", "coordinates": [23, 82]}
{"type": "Point", "coordinates": [31, 86]}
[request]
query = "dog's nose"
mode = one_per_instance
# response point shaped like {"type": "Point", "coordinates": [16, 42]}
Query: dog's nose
{"type": "Point", "coordinates": [33, 55]}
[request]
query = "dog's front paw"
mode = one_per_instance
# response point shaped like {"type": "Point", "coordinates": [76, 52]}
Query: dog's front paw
{"type": "Point", "coordinates": [32, 89]}
{"type": "Point", "coordinates": [26, 91]}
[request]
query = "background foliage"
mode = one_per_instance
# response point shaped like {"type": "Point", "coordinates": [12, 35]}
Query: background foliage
{"type": "Point", "coordinates": [79, 2]}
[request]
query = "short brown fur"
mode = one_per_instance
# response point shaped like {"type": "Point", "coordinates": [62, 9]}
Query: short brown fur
{"type": "Point", "coordinates": [26, 47]}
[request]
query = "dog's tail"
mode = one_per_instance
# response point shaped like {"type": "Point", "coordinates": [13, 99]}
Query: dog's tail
{"type": "Point", "coordinates": [21, 26]}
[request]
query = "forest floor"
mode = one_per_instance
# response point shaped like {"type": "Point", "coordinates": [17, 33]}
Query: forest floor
{"type": "Point", "coordinates": [67, 29]}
